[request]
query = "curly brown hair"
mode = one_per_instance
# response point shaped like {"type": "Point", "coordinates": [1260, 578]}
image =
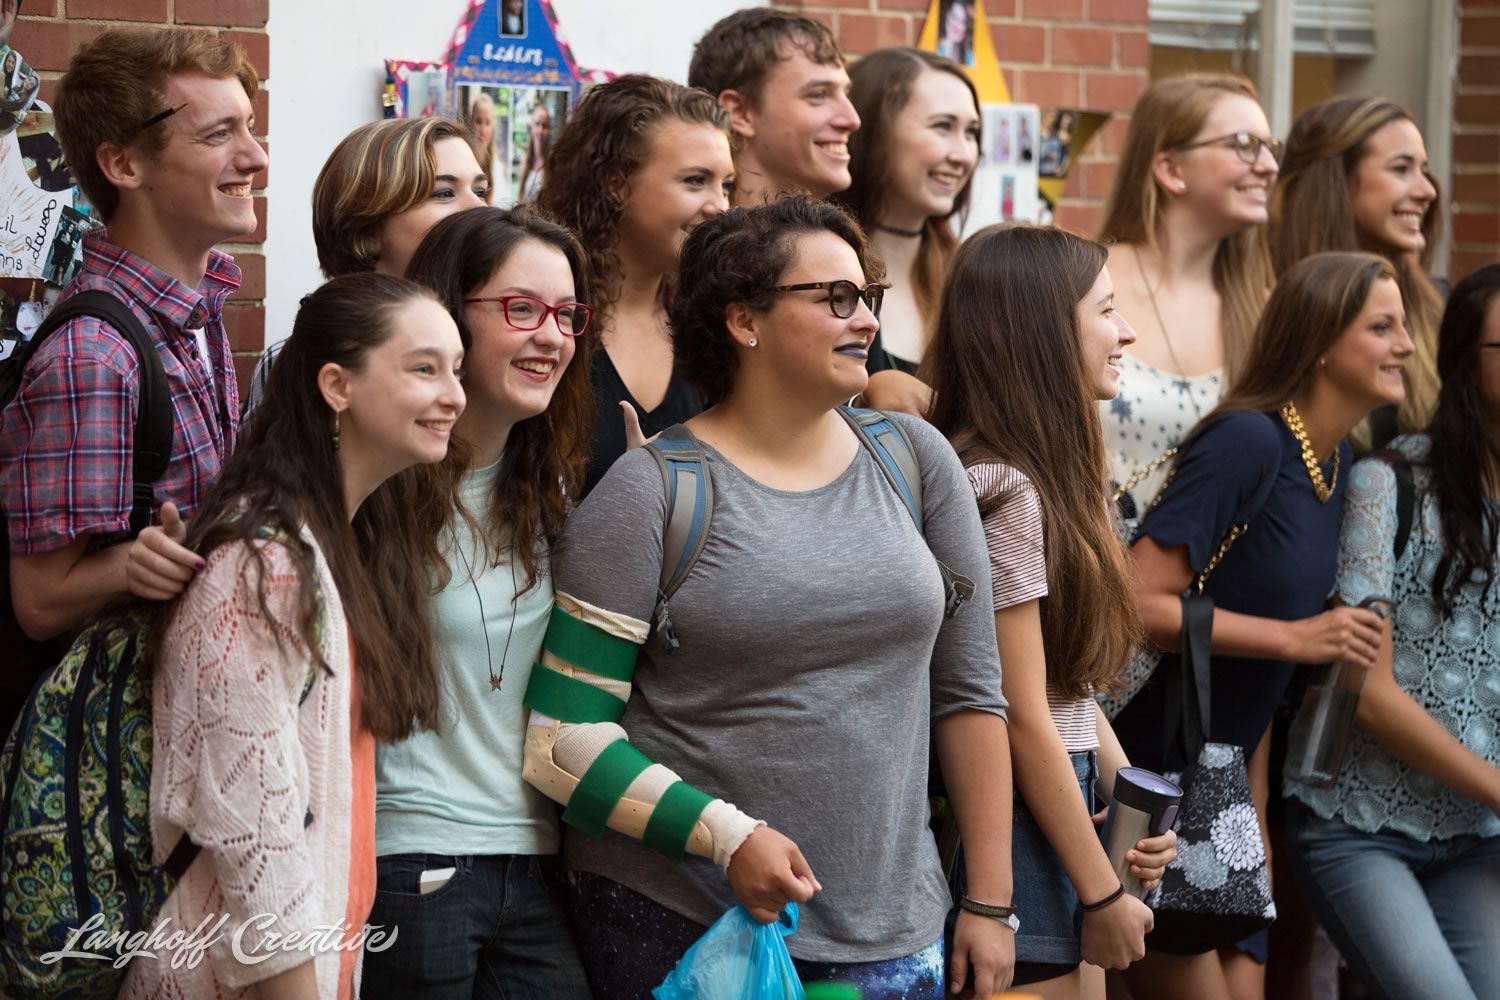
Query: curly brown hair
{"type": "Point", "coordinates": [739, 51]}
{"type": "Point", "coordinates": [605, 141]}
{"type": "Point", "coordinates": [545, 455]}
{"type": "Point", "coordinates": [739, 257]}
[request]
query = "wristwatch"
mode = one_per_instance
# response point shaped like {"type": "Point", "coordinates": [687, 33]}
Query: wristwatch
{"type": "Point", "coordinates": [1005, 914]}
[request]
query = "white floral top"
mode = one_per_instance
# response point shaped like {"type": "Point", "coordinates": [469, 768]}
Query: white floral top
{"type": "Point", "coordinates": [1451, 667]}
{"type": "Point", "coordinates": [1153, 412]}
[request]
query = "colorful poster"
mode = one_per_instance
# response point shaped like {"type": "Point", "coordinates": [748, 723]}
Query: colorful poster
{"type": "Point", "coordinates": [42, 215]}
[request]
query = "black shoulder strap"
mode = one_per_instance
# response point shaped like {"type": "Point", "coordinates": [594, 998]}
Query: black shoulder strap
{"type": "Point", "coordinates": [1406, 502]}
{"type": "Point", "coordinates": [153, 421]}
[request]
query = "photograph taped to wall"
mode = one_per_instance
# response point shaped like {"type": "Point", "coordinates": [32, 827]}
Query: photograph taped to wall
{"type": "Point", "coordinates": [997, 134]}
{"type": "Point", "coordinates": [536, 115]}
{"type": "Point", "coordinates": [1026, 130]}
{"type": "Point", "coordinates": [426, 93]}
{"type": "Point", "coordinates": [485, 111]}
{"type": "Point", "coordinates": [512, 18]}
{"type": "Point", "coordinates": [956, 30]}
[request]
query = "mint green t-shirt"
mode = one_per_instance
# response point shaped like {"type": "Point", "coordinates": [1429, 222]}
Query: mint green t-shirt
{"type": "Point", "coordinates": [460, 790]}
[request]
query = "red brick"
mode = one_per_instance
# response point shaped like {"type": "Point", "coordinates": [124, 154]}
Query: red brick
{"type": "Point", "coordinates": [229, 13]}
{"type": "Point", "coordinates": [1098, 178]}
{"type": "Point", "coordinates": [257, 45]}
{"type": "Point", "coordinates": [50, 44]}
{"type": "Point", "coordinates": [261, 179]}
{"type": "Point", "coordinates": [1049, 88]}
{"type": "Point", "coordinates": [252, 276]}
{"type": "Point", "coordinates": [1049, 10]}
{"type": "Point", "coordinates": [860, 4]}
{"type": "Point", "coordinates": [1479, 71]}
{"type": "Point", "coordinates": [866, 32]}
{"type": "Point", "coordinates": [48, 92]}
{"type": "Point", "coordinates": [1114, 91]}
{"type": "Point", "coordinates": [998, 8]}
{"type": "Point", "coordinates": [1476, 227]}
{"type": "Point", "coordinates": [118, 10]}
{"type": "Point", "coordinates": [1477, 109]}
{"type": "Point", "coordinates": [821, 17]}
{"type": "Point", "coordinates": [1135, 49]}
{"type": "Point", "coordinates": [1476, 148]}
{"type": "Point", "coordinates": [1073, 188]}
{"type": "Point", "coordinates": [246, 327]}
{"type": "Point", "coordinates": [244, 369]}
{"type": "Point", "coordinates": [907, 5]}
{"type": "Point", "coordinates": [1082, 47]}
{"type": "Point", "coordinates": [261, 106]}
{"type": "Point", "coordinates": [1124, 11]}
{"type": "Point", "coordinates": [1476, 189]}
{"type": "Point", "coordinates": [1019, 43]}
{"type": "Point", "coordinates": [1078, 217]}
{"type": "Point", "coordinates": [1479, 30]}
{"type": "Point", "coordinates": [1010, 80]}
{"type": "Point", "coordinates": [1464, 261]}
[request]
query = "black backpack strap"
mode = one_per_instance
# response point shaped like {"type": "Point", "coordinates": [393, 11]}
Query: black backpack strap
{"type": "Point", "coordinates": [153, 419]}
{"type": "Point", "coordinates": [1406, 502]}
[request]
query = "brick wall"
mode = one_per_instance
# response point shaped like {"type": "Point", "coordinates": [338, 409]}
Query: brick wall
{"type": "Point", "coordinates": [1090, 54]}
{"type": "Point", "coordinates": [50, 30]}
{"type": "Point", "coordinates": [1476, 139]}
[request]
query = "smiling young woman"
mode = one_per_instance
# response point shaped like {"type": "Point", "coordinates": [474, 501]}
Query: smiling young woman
{"type": "Point", "coordinates": [641, 162]}
{"type": "Point", "coordinates": [911, 165]}
{"type": "Point", "coordinates": [1356, 177]}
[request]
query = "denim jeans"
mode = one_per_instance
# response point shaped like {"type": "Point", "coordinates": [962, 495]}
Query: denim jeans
{"type": "Point", "coordinates": [1413, 920]}
{"type": "Point", "coordinates": [497, 929]}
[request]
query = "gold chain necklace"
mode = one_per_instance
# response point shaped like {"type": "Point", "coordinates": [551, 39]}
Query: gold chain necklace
{"type": "Point", "coordinates": [1294, 424]}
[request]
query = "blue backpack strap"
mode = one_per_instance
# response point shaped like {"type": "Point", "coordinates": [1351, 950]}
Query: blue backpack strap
{"type": "Point", "coordinates": [883, 438]}
{"type": "Point", "coordinates": [689, 490]}
{"type": "Point", "coordinates": [892, 449]}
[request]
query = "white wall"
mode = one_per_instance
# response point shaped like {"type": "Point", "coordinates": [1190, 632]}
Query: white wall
{"type": "Point", "coordinates": [327, 69]}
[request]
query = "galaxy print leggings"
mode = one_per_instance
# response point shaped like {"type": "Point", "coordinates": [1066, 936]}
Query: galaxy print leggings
{"type": "Point", "coordinates": [629, 944]}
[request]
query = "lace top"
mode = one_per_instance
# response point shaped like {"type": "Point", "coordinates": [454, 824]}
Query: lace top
{"type": "Point", "coordinates": [1451, 667]}
{"type": "Point", "coordinates": [1153, 412]}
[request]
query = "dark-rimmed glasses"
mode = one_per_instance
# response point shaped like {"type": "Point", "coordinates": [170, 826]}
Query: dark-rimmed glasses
{"type": "Point", "coordinates": [844, 296]}
{"type": "Point", "coordinates": [527, 312]}
{"type": "Point", "coordinates": [1246, 145]}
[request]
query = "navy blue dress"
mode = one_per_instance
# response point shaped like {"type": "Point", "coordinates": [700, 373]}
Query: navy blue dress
{"type": "Point", "coordinates": [1282, 567]}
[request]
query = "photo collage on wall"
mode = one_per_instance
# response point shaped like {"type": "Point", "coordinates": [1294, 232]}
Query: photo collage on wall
{"type": "Point", "coordinates": [510, 77]}
{"type": "Point", "coordinates": [1010, 150]}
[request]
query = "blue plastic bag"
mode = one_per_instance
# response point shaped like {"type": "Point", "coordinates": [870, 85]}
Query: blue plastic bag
{"type": "Point", "coordinates": [738, 958]}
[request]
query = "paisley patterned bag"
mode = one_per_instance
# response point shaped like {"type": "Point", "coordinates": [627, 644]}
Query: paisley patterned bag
{"type": "Point", "coordinates": [1218, 891]}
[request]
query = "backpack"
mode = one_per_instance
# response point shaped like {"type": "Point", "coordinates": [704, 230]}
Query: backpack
{"type": "Point", "coordinates": [75, 824]}
{"type": "Point", "coordinates": [684, 472]}
{"type": "Point", "coordinates": [27, 658]}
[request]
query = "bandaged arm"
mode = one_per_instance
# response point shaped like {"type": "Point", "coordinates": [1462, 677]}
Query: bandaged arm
{"type": "Point", "coordinates": [578, 754]}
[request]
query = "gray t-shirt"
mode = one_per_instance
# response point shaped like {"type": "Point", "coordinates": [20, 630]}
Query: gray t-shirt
{"type": "Point", "coordinates": [814, 658]}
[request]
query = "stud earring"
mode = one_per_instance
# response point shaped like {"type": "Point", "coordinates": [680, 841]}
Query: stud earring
{"type": "Point", "coordinates": [753, 342]}
{"type": "Point", "coordinates": [335, 430]}
{"type": "Point", "coordinates": [1182, 187]}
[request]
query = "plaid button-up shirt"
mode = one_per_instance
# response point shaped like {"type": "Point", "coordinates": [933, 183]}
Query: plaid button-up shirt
{"type": "Point", "coordinates": [67, 441]}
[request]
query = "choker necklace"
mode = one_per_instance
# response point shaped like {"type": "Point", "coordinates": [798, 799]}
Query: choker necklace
{"type": "Point", "coordinates": [495, 679]}
{"type": "Point", "coordinates": [1294, 424]}
{"type": "Point", "coordinates": [910, 234]}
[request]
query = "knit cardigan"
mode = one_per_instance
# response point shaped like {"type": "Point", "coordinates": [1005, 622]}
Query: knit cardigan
{"type": "Point", "coordinates": [261, 783]}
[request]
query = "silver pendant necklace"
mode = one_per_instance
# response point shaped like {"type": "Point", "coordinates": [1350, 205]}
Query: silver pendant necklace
{"type": "Point", "coordinates": [495, 679]}
{"type": "Point", "coordinates": [1182, 379]}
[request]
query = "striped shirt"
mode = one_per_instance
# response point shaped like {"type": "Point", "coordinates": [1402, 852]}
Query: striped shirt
{"type": "Point", "coordinates": [1018, 573]}
{"type": "Point", "coordinates": [67, 441]}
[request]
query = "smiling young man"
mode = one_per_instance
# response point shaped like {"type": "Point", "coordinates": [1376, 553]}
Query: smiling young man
{"type": "Point", "coordinates": [784, 83]}
{"type": "Point", "coordinates": [157, 128]}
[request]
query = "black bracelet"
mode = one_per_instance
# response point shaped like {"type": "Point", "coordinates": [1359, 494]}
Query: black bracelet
{"type": "Point", "coordinates": [1091, 907]}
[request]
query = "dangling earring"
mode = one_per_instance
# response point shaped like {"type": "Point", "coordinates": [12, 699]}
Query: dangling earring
{"type": "Point", "coordinates": [335, 430]}
{"type": "Point", "coordinates": [753, 342]}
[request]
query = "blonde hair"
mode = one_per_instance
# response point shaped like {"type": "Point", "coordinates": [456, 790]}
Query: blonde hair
{"type": "Point", "coordinates": [377, 170]}
{"type": "Point", "coordinates": [1170, 114]}
{"type": "Point", "coordinates": [1312, 211]}
{"type": "Point", "coordinates": [118, 81]}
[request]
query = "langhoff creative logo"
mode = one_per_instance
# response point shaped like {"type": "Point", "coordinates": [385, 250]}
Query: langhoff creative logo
{"type": "Point", "coordinates": [186, 948]}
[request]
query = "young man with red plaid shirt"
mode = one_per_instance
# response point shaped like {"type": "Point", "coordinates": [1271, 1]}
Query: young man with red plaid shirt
{"type": "Point", "coordinates": [156, 126]}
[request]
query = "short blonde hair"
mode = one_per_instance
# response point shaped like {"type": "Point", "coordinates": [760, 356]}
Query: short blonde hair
{"type": "Point", "coordinates": [119, 80]}
{"type": "Point", "coordinates": [376, 171]}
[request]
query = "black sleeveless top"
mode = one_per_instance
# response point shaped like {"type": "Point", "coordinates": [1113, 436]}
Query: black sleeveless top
{"type": "Point", "coordinates": [682, 402]}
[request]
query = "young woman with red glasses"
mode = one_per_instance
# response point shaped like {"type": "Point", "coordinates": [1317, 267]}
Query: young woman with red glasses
{"type": "Point", "coordinates": [466, 849]}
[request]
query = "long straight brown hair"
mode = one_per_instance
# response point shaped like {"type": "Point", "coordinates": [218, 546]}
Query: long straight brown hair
{"type": "Point", "coordinates": [880, 87]}
{"type": "Point", "coordinates": [285, 474]}
{"type": "Point", "coordinates": [1169, 114]}
{"type": "Point", "coordinates": [1312, 211]}
{"type": "Point", "coordinates": [1006, 367]}
{"type": "Point", "coordinates": [1314, 303]}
